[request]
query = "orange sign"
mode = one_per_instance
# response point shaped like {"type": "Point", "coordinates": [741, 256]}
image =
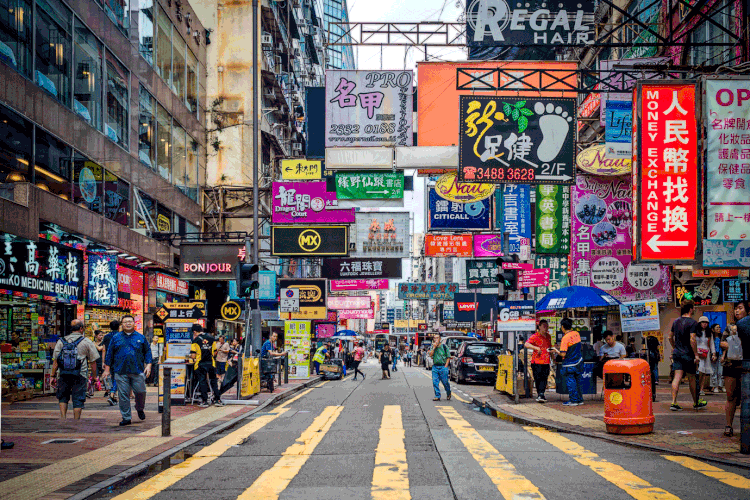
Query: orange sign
{"type": "Point", "coordinates": [437, 95]}
{"type": "Point", "coordinates": [448, 245]}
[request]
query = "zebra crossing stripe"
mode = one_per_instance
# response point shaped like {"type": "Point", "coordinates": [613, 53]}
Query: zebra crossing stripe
{"type": "Point", "coordinates": [390, 478]}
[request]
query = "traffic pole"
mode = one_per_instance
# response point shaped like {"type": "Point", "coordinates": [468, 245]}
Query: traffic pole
{"type": "Point", "coordinates": [745, 409]}
{"type": "Point", "coordinates": [166, 414]}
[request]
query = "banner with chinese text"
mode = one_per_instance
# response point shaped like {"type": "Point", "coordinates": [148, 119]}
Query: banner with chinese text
{"type": "Point", "coordinates": [552, 219]}
{"type": "Point", "coordinates": [297, 344]}
{"type": "Point", "coordinates": [516, 203]}
{"type": "Point", "coordinates": [445, 214]}
{"type": "Point", "coordinates": [102, 280]}
{"type": "Point", "coordinates": [448, 245]}
{"type": "Point", "coordinates": [558, 273]}
{"type": "Point", "coordinates": [425, 291]}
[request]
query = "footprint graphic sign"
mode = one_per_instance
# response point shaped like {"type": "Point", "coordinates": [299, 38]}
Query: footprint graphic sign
{"type": "Point", "coordinates": [516, 140]}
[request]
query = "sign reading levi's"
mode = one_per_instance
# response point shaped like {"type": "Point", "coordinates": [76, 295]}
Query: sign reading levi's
{"type": "Point", "coordinates": [668, 177]}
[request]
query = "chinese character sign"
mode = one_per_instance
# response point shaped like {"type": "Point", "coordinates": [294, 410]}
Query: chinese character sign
{"type": "Point", "coordinates": [381, 234]}
{"type": "Point", "coordinates": [516, 214]}
{"type": "Point", "coordinates": [448, 245]}
{"type": "Point", "coordinates": [524, 140]}
{"type": "Point", "coordinates": [669, 173]}
{"type": "Point", "coordinates": [558, 273]}
{"type": "Point", "coordinates": [728, 253]}
{"type": "Point", "coordinates": [297, 344]}
{"type": "Point", "coordinates": [425, 291]}
{"type": "Point", "coordinates": [552, 219]}
{"type": "Point", "coordinates": [301, 169]}
{"type": "Point", "coordinates": [481, 274]}
{"type": "Point", "coordinates": [602, 243]}
{"type": "Point", "coordinates": [307, 202]}
{"type": "Point", "coordinates": [369, 185]}
{"type": "Point", "coordinates": [728, 159]}
{"type": "Point", "coordinates": [619, 127]}
{"type": "Point", "coordinates": [445, 214]}
{"type": "Point", "coordinates": [369, 108]}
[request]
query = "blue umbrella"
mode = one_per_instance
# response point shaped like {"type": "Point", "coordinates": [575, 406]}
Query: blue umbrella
{"type": "Point", "coordinates": [576, 296]}
{"type": "Point", "coordinates": [345, 333]}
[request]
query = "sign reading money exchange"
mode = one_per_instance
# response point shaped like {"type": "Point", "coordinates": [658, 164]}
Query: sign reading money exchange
{"type": "Point", "coordinates": [516, 140]}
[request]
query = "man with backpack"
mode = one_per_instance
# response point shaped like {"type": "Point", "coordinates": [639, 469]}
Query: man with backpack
{"type": "Point", "coordinates": [110, 385]}
{"type": "Point", "coordinates": [203, 353]}
{"type": "Point", "coordinates": [73, 356]}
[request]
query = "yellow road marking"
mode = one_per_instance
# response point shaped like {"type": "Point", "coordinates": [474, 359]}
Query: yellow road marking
{"type": "Point", "coordinates": [322, 384]}
{"type": "Point", "coordinates": [165, 479]}
{"type": "Point", "coordinates": [725, 477]}
{"type": "Point", "coordinates": [623, 479]}
{"type": "Point", "coordinates": [509, 482]}
{"type": "Point", "coordinates": [273, 481]}
{"type": "Point", "coordinates": [390, 478]}
{"type": "Point", "coordinates": [290, 401]}
{"type": "Point", "coordinates": [453, 393]}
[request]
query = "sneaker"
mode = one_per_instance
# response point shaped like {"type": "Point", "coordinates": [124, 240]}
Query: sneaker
{"type": "Point", "coordinates": [448, 397]}
{"type": "Point", "coordinates": [219, 403]}
{"type": "Point", "coordinates": [579, 403]}
{"type": "Point", "coordinates": [142, 414]}
{"type": "Point", "coordinates": [716, 390]}
{"type": "Point", "coordinates": [675, 407]}
{"type": "Point", "coordinates": [702, 403]}
{"type": "Point", "coordinates": [541, 399]}
{"type": "Point", "coordinates": [111, 401]}
{"type": "Point", "coordinates": [204, 404]}
{"type": "Point", "coordinates": [125, 422]}
{"type": "Point", "coordinates": [570, 403]}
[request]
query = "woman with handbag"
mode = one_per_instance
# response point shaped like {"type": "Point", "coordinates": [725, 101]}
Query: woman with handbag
{"type": "Point", "coordinates": [706, 349]}
{"type": "Point", "coordinates": [732, 364]}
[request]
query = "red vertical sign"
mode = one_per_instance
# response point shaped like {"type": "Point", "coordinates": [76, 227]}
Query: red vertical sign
{"type": "Point", "coordinates": [668, 181]}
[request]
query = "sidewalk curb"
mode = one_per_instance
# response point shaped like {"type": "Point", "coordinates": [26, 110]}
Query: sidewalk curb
{"type": "Point", "coordinates": [143, 467]}
{"type": "Point", "coordinates": [491, 409]}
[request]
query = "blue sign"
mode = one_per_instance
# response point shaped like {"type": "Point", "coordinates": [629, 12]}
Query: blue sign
{"type": "Point", "coordinates": [267, 289]}
{"type": "Point", "coordinates": [619, 129]}
{"type": "Point", "coordinates": [102, 280]}
{"type": "Point", "coordinates": [516, 203]}
{"type": "Point", "coordinates": [179, 333]}
{"type": "Point", "coordinates": [726, 253]}
{"type": "Point", "coordinates": [445, 214]}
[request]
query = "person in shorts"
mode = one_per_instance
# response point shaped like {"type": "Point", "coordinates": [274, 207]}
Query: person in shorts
{"type": "Point", "coordinates": [72, 384]}
{"type": "Point", "coordinates": [682, 337]}
{"type": "Point", "coordinates": [222, 354]}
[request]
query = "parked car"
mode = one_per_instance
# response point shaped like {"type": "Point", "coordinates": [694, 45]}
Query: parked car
{"type": "Point", "coordinates": [454, 341]}
{"type": "Point", "coordinates": [476, 361]}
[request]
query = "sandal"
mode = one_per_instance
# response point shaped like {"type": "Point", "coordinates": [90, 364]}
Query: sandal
{"type": "Point", "coordinates": [728, 431]}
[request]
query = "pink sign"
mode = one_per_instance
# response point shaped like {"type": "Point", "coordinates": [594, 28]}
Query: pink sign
{"type": "Point", "coordinates": [344, 285]}
{"type": "Point", "coordinates": [602, 247]}
{"type": "Point", "coordinates": [323, 330]}
{"type": "Point", "coordinates": [307, 202]}
{"type": "Point", "coordinates": [518, 265]}
{"type": "Point", "coordinates": [533, 277]}
{"type": "Point", "coordinates": [338, 303]}
{"type": "Point", "coordinates": [488, 245]}
{"type": "Point", "coordinates": [356, 314]}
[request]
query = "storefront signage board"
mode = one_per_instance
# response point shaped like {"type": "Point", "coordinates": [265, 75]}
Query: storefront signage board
{"type": "Point", "coordinates": [307, 202]}
{"type": "Point", "coordinates": [209, 261]}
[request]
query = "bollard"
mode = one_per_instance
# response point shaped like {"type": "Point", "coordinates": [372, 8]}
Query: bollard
{"type": "Point", "coordinates": [286, 368]}
{"type": "Point", "coordinates": [745, 408]}
{"type": "Point", "coordinates": [166, 415]}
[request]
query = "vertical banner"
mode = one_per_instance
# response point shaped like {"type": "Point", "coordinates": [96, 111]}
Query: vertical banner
{"type": "Point", "coordinates": [558, 273]}
{"type": "Point", "coordinates": [102, 280]}
{"type": "Point", "coordinates": [668, 176]}
{"type": "Point", "coordinates": [552, 219]}
{"type": "Point", "coordinates": [619, 128]}
{"type": "Point", "coordinates": [297, 343]}
{"type": "Point", "coordinates": [728, 159]}
{"type": "Point", "coordinates": [516, 214]}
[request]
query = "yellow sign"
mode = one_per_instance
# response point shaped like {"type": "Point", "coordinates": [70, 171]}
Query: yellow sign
{"type": "Point", "coordinates": [594, 161]}
{"type": "Point", "coordinates": [309, 240]}
{"type": "Point", "coordinates": [407, 323]}
{"type": "Point", "coordinates": [306, 313]}
{"type": "Point", "coordinates": [231, 310]}
{"type": "Point", "coordinates": [505, 374]}
{"type": "Point", "coordinates": [301, 169]}
{"type": "Point", "coordinates": [615, 398]}
{"type": "Point", "coordinates": [250, 377]}
{"type": "Point", "coordinates": [178, 378]}
{"type": "Point", "coordinates": [449, 188]}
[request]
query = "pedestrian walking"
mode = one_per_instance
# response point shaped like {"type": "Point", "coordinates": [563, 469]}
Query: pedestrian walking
{"type": "Point", "coordinates": [320, 356]}
{"type": "Point", "coordinates": [717, 380]}
{"type": "Point", "coordinates": [441, 356]}
{"type": "Point", "coordinates": [222, 355]}
{"type": "Point", "coordinates": [735, 343]}
{"type": "Point", "coordinates": [101, 350]}
{"type": "Point", "coordinates": [572, 363]}
{"type": "Point", "coordinates": [110, 385]}
{"type": "Point", "coordinates": [540, 343]}
{"type": "Point", "coordinates": [129, 357]}
{"type": "Point", "coordinates": [706, 351]}
{"type": "Point", "coordinates": [155, 355]}
{"type": "Point", "coordinates": [385, 361]}
{"type": "Point", "coordinates": [359, 356]}
{"type": "Point", "coordinates": [682, 337]}
{"type": "Point", "coordinates": [74, 357]}
{"type": "Point", "coordinates": [652, 347]}
{"type": "Point", "coordinates": [396, 357]}
{"type": "Point", "coordinates": [203, 352]}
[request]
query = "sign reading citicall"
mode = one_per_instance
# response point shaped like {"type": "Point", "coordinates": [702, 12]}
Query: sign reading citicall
{"type": "Point", "coordinates": [451, 189]}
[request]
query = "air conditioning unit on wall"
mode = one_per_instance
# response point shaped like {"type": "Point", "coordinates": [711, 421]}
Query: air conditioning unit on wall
{"type": "Point", "coordinates": [266, 40]}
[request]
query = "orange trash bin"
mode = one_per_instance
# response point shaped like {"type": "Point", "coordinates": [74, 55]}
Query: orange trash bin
{"type": "Point", "coordinates": [627, 397]}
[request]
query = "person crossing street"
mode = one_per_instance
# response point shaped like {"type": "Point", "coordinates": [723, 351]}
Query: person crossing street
{"type": "Point", "coordinates": [441, 356]}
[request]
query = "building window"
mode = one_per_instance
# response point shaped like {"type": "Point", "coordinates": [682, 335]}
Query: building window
{"type": "Point", "coordinates": [53, 48]}
{"type": "Point", "coordinates": [88, 177]}
{"type": "Point", "coordinates": [191, 172]}
{"type": "Point", "coordinates": [164, 142]}
{"type": "Point", "coordinates": [146, 30]}
{"type": "Point", "coordinates": [707, 32]}
{"type": "Point", "coordinates": [117, 101]}
{"type": "Point", "coordinates": [87, 87]}
{"type": "Point", "coordinates": [16, 34]}
{"type": "Point", "coordinates": [146, 129]}
{"type": "Point", "coordinates": [116, 199]}
{"type": "Point", "coordinates": [178, 66]}
{"type": "Point", "coordinates": [191, 91]}
{"type": "Point", "coordinates": [179, 157]}
{"type": "Point", "coordinates": [118, 11]}
{"type": "Point", "coordinates": [164, 47]}
{"type": "Point", "coordinates": [52, 165]}
{"type": "Point", "coordinates": [15, 147]}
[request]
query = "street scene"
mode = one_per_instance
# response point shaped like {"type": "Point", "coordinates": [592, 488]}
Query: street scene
{"type": "Point", "coordinates": [322, 249]}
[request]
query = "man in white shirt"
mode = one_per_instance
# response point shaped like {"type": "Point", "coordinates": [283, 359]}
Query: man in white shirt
{"type": "Point", "coordinates": [611, 348]}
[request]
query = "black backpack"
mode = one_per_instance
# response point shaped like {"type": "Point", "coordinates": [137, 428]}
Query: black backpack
{"type": "Point", "coordinates": [68, 358]}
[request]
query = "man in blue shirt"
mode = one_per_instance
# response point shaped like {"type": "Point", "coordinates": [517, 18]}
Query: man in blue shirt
{"type": "Point", "coordinates": [269, 347]}
{"type": "Point", "coordinates": [129, 356]}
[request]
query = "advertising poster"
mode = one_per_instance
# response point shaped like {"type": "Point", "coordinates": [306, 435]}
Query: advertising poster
{"type": "Point", "coordinates": [178, 376]}
{"type": "Point", "coordinates": [618, 132]}
{"type": "Point", "coordinates": [593, 161]}
{"type": "Point", "coordinates": [312, 298]}
{"type": "Point", "coordinates": [425, 291]}
{"type": "Point", "coordinates": [369, 185]}
{"type": "Point", "coordinates": [447, 215]}
{"type": "Point", "coordinates": [297, 344]}
{"type": "Point", "coordinates": [102, 280]}
{"type": "Point", "coordinates": [728, 159]}
{"type": "Point", "coordinates": [602, 242]}
{"type": "Point", "coordinates": [338, 302]}
{"type": "Point", "coordinates": [386, 267]}
{"type": "Point", "coordinates": [558, 273]}
{"type": "Point", "coordinates": [381, 234]}
{"type": "Point", "coordinates": [668, 177]}
{"type": "Point", "coordinates": [516, 316]}
{"type": "Point", "coordinates": [525, 140]}
{"type": "Point", "coordinates": [734, 290]}
{"type": "Point", "coordinates": [516, 214]}
{"type": "Point", "coordinates": [488, 245]}
{"type": "Point", "coordinates": [307, 202]}
{"type": "Point", "coordinates": [639, 316]}
{"type": "Point", "coordinates": [369, 108]}
{"type": "Point", "coordinates": [552, 219]}
{"type": "Point", "coordinates": [356, 314]}
{"type": "Point", "coordinates": [325, 330]}
{"type": "Point", "coordinates": [732, 253]}
{"type": "Point", "coordinates": [344, 285]}
{"type": "Point", "coordinates": [448, 245]}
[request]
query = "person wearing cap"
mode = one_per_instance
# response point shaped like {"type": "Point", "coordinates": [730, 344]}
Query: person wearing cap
{"type": "Point", "coordinates": [706, 350]}
{"type": "Point", "coordinates": [203, 354]}
{"type": "Point", "coordinates": [323, 353]}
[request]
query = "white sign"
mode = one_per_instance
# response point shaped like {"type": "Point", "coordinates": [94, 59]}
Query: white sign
{"type": "Point", "coordinates": [289, 300]}
{"type": "Point", "coordinates": [728, 159]}
{"type": "Point", "coordinates": [639, 316]}
{"type": "Point", "coordinates": [369, 108]}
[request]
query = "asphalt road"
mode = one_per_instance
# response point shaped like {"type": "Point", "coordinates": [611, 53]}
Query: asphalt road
{"type": "Point", "coordinates": [387, 439]}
